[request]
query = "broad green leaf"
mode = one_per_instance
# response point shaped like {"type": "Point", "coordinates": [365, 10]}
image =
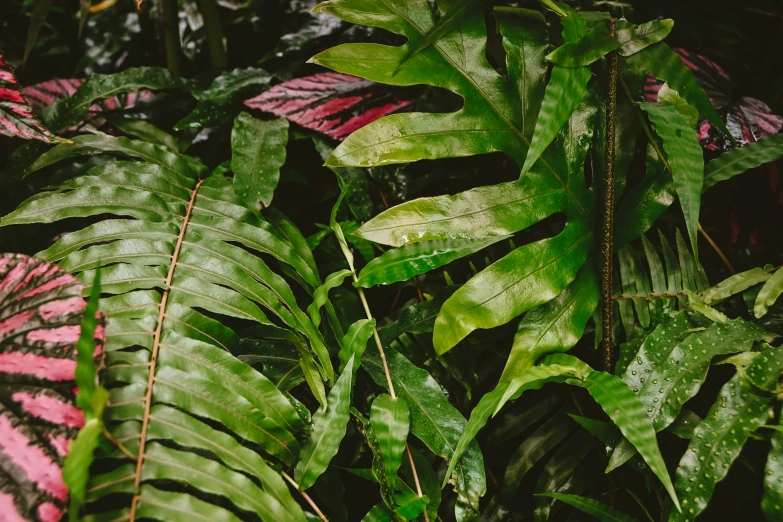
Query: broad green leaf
{"type": "Point", "coordinates": [436, 423]}
{"type": "Point", "coordinates": [772, 501]}
{"type": "Point", "coordinates": [635, 39]}
{"type": "Point", "coordinates": [527, 277]}
{"type": "Point", "coordinates": [321, 294]}
{"type": "Point", "coordinates": [734, 285]}
{"type": "Point", "coordinates": [313, 376]}
{"type": "Point", "coordinates": [447, 23]}
{"type": "Point", "coordinates": [627, 412]}
{"type": "Point", "coordinates": [409, 505]}
{"type": "Point", "coordinates": [668, 96]}
{"type": "Point", "coordinates": [390, 422]}
{"type": "Point", "coordinates": [769, 293]}
{"type": "Point", "coordinates": [667, 66]}
{"type": "Point", "coordinates": [595, 44]}
{"type": "Point", "coordinates": [355, 341]}
{"type": "Point", "coordinates": [553, 327]}
{"type": "Point", "coordinates": [717, 441]}
{"type": "Point", "coordinates": [144, 130]}
{"type": "Point", "coordinates": [71, 111]}
{"type": "Point", "coordinates": [37, 19]}
{"type": "Point", "coordinates": [742, 159]}
{"type": "Point", "coordinates": [329, 425]}
{"type": "Point", "coordinates": [379, 513]}
{"type": "Point", "coordinates": [686, 160]}
{"type": "Point", "coordinates": [257, 153]}
{"type": "Point", "coordinates": [408, 261]}
{"type": "Point", "coordinates": [591, 507]}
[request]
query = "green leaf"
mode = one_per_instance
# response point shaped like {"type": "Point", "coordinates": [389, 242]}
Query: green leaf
{"type": "Point", "coordinates": [312, 376]}
{"type": "Point", "coordinates": [408, 261]}
{"type": "Point", "coordinates": [742, 159]}
{"type": "Point", "coordinates": [84, 12]}
{"type": "Point", "coordinates": [635, 39]}
{"type": "Point", "coordinates": [257, 153]}
{"type": "Point", "coordinates": [329, 425]}
{"type": "Point", "coordinates": [686, 160]}
{"type": "Point", "coordinates": [769, 294]}
{"type": "Point", "coordinates": [72, 110]}
{"type": "Point", "coordinates": [321, 294]}
{"type": "Point", "coordinates": [436, 423]}
{"type": "Point", "coordinates": [379, 513]}
{"type": "Point", "coordinates": [410, 505]}
{"type": "Point", "coordinates": [772, 501]}
{"type": "Point", "coordinates": [390, 422]}
{"type": "Point", "coordinates": [591, 507]}
{"type": "Point", "coordinates": [355, 341]}
{"type": "Point", "coordinates": [668, 96]}
{"type": "Point", "coordinates": [430, 485]}
{"type": "Point", "coordinates": [595, 44]}
{"type": "Point", "coordinates": [719, 438]}
{"type": "Point", "coordinates": [667, 66]}
{"type": "Point", "coordinates": [144, 130]}
{"type": "Point", "coordinates": [627, 412]}
{"type": "Point", "coordinates": [37, 20]}
{"type": "Point", "coordinates": [447, 23]}
{"type": "Point", "coordinates": [734, 285]}
{"type": "Point", "coordinates": [527, 277]}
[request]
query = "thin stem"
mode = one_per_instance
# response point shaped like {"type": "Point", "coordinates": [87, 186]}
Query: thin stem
{"type": "Point", "coordinates": [217, 52]}
{"type": "Point", "coordinates": [717, 249]}
{"type": "Point", "coordinates": [416, 480]}
{"type": "Point", "coordinates": [171, 35]}
{"type": "Point", "coordinates": [307, 498]}
{"type": "Point", "coordinates": [377, 341]}
{"type": "Point", "coordinates": [607, 225]}
{"type": "Point", "coordinates": [117, 444]}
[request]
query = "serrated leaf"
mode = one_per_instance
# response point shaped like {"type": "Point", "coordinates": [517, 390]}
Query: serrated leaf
{"type": "Point", "coordinates": [257, 153]}
{"type": "Point", "coordinates": [390, 421]}
{"type": "Point", "coordinates": [408, 261]}
{"type": "Point", "coordinates": [768, 294]}
{"type": "Point", "coordinates": [739, 160]}
{"type": "Point", "coordinates": [686, 160]}
{"type": "Point", "coordinates": [718, 439]}
{"type": "Point", "coordinates": [635, 39]}
{"type": "Point", "coordinates": [329, 425]}
{"type": "Point", "coordinates": [627, 412]}
{"type": "Point", "coordinates": [591, 507]}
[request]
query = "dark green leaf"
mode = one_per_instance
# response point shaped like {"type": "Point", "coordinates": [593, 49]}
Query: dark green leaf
{"type": "Point", "coordinates": [742, 159]}
{"type": "Point", "coordinates": [257, 153]}
{"type": "Point", "coordinates": [591, 507]}
{"type": "Point", "coordinates": [37, 19]}
{"type": "Point", "coordinates": [635, 39]}
{"type": "Point", "coordinates": [587, 49]}
{"type": "Point", "coordinates": [768, 294]}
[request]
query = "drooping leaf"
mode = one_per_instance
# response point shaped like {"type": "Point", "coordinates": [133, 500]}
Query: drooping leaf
{"type": "Point", "coordinates": [718, 439]}
{"type": "Point", "coordinates": [257, 153]}
{"type": "Point", "coordinates": [595, 44]}
{"type": "Point", "coordinates": [37, 19]}
{"type": "Point", "coordinates": [330, 103]}
{"type": "Point", "coordinates": [591, 507]}
{"type": "Point", "coordinates": [740, 160]}
{"type": "Point", "coordinates": [390, 422]}
{"type": "Point", "coordinates": [321, 294]}
{"type": "Point", "coordinates": [410, 260]}
{"type": "Point", "coordinates": [685, 158]}
{"type": "Point", "coordinates": [355, 341]}
{"type": "Point", "coordinates": [447, 23]}
{"type": "Point", "coordinates": [16, 114]}
{"type": "Point", "coordinates": [627, 412]}
{"type": "Point", "coordinates": [70, 111]}
{"type": "Point", "coordinates": [635, 39]}
{"type": "Point", "coordinates": [768, 294]}
{"type": "Point", "coordinates": [329, 425]}
{"type": "Point", "coordinates": [41, 315]}
{"type": "Point", "coordinates": [223, 99]}
{"type": "Point", "coordinates": [436, 423]}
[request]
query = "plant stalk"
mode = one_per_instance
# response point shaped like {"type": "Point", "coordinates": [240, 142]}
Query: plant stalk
{"type": "Point", "coordinates": [171, 36]}
{"type": "Point", "coordinates": [607, 225]}
{"type": "Point", "coordinates": [306, 497]}
{"type": "Point", "coordinates": [217, 52]}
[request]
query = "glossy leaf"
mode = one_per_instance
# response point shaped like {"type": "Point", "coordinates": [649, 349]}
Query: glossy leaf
{"type": "Point", "coordinates": [329, 425]}
{"type": "Point", "coordinates": [719, 438]}
{"type": "Point", "coordinates": [595, 44]}
{"type": "Point", "coordinates": [321, 294]}
{"type": "Point", "coordinates": [685, 157]}
{"type": "Point", "coordinates": [330, 103]}
{"type": "Point", "coordinates": [768, 294]}
{"type": "Point", "coordinates": [591, 507]}
{"type": "Point", "coordinates": [772, 501]}
{"type": "Point", "coordinates": [16, 114]}
{"type": "Point", "coordinates": [436, 423]}
{"type": "Point", "coordinates": [740, 160]}
{"type": "Point", "coordinates": [627, 412]}
{"type": "Point", "coordinates": [635, 39]}
{"type": "Point", "coordinates": [71, 111]}
{"type": "Point", "coordinates": [41, 315]}
{"type": "Point", "coordinates": [257, 153]}
{"type": "Point", "coordinates": [408, 261]}
{"type": "Point", "coordinates": [390, 422]}
{"type": "Point", "coordinates": [355, 341]}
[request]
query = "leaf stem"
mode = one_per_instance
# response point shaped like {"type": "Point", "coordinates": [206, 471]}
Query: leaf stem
{"type": "Point", "coordinates": [170, 20]}
{"type": "Point", "coordinates": [717, 249]}
{"type": "Point", "coordinates": [416, 480]}
{"type": "Point", "coordinates": [217, 53]}
{"type": "Point", "coordinates": [607, 225]}
{"type": "Point", "coordinates": [307, 497]}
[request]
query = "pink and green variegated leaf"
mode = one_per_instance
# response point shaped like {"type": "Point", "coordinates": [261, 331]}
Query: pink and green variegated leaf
{"type": "Point", "coordinates": [41, 311]}
{"type": "Point", "coordinates": [331, 103]}
{"type": "Point", "coordinates": [16, 115]}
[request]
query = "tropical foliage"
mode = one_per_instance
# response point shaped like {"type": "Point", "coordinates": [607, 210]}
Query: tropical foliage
{"type": "Point", "coordinates": [385, 260]}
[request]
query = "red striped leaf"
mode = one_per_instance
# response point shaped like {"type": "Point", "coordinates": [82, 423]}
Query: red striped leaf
{"type": "Point", "coordinates": [331, 103]}
{"type": "Point", "coordinates": [41, 311]}
{"type": "Point", "coordinates": [16, 115]}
